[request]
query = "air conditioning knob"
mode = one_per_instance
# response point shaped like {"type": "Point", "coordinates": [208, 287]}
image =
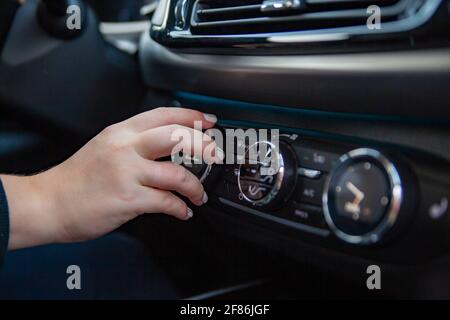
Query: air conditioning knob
{"type": "Point", "coordinates": [363, 197]}
{"type": "Point", "coordinates": [267, 180]}
{"type": "Point", "coordinates": [197, 167]}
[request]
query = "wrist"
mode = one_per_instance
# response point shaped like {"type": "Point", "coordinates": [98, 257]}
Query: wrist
{"type": "Point", "coordinates": [31, 213]}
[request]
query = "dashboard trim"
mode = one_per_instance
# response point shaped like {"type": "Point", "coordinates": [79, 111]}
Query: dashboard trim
{"type": "Point", "coordinates": [310, 80]}
{"type": "Point", "coordinates": [303, 227]}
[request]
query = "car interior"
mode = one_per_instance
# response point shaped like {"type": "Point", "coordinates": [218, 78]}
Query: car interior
{"type": "Point", "coordinates": [359, 91]}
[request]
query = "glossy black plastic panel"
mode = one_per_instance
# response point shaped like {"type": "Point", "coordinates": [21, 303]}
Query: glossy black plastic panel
{"type": "Point", "coordinates": [402, 83]}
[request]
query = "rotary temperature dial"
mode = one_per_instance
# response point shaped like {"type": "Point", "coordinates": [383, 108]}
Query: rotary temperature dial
{"type": "Point", "coordinates": [200, 169]}
{"type": "Point", "coordinates": [270, 178]}
{"type": "Point", "coordinates": [362, 197]}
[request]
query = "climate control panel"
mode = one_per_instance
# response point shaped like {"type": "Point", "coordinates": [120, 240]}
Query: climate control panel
{"type": "Point", "coordinates": [352, 192]}
{"type": "Point", "coordinates": [349, 193]}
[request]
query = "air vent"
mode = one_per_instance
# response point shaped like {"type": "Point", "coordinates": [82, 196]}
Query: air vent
{"type": "Point", "coordinates": [233, 17]}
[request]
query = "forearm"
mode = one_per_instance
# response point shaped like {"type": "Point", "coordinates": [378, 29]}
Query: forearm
{"type": "Point", "coordinates": [30, 222]}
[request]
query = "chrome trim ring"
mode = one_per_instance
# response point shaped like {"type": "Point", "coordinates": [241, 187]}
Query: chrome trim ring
{"type": "Point", "coordinates": [278, 182]}
{"type": "Point", "coordinates": [393, 210]}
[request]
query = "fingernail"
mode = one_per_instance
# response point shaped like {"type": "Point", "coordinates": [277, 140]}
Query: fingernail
{"type": "Point", "coordinates": [205, 197]}
{"type": "Point", "coordinates": [210, 117]}
{"type": "Point", "coordinates": [190, 213]}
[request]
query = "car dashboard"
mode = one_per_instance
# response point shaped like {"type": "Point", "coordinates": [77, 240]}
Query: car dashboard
{"type": "Point", "coordinates": [353, 105]}
{"type": "Point", "coordinates": [356, 92]}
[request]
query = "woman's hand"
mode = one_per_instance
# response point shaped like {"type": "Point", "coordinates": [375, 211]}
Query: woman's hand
{"type": "Point", "coordinates": [111, 180]}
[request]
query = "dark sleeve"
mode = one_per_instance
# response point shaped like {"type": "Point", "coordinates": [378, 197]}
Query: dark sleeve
{"type": "Point", "coordinates": [4, 223]}
{"type": "Point", "coordinates": [8, 9]}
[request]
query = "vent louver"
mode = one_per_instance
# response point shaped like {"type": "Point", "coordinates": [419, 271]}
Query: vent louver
{"type": "Point", "coordinates": [228, 17]}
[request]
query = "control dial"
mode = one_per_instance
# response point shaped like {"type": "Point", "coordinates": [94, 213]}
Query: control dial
{"type": "Point", "coordinates": [268, 175]}
{"type": "Point", "coordinates": [362, 197]}
{"type": "Point", "coordinates": [199, 168]}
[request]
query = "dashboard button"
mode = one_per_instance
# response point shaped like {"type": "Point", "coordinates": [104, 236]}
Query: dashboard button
{"type": "Point", "coordinates": [315, 158]}
{"type": "Point", "coordinates": [435, 199]}
{"type": "Point", "coordinates": [309, 190]}
{"type": "Point", "coordinates": [309, 173]}
{"type": "Point", "coordinates": [306, 214]}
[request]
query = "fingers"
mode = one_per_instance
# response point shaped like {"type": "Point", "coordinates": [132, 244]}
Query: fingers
{"type": "Point", "coordinates": [170, 176]}
{"type": "Point", "coordinates": [161, 201]}
{"type": "Point", "coordinates": [167, 140]}
{"type": "Point", "coordinates": [165, 116]}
